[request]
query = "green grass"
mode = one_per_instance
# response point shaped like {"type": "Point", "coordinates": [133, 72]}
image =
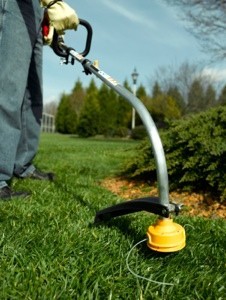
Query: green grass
{"type": "Point", "coordinates": [50, 248]}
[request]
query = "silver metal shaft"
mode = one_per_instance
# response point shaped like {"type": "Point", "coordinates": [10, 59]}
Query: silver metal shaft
{"type": "Point", "coordinates": [162, 174]}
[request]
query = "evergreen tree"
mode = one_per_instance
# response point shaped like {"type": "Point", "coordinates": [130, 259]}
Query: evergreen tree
{"type": "Point", "coordinates": [66, 118]}
{"type": "Point", "coordinates": [210, 97]}
{"type": "Point", "coordinates": [90, 114]}
{"type": "Point", "coordinates": [108, 110]}
{"type": "Point", "coordinates": [222, 97]}
{"type": "Point", "coordinates": [164, 108]}
{"type": "Point", "coordinates": [143, 97]}
{"type": "Point", "coordinates": [196, 102]}
{"type": "Point", "coordinates": [124, 110]}
{"type": "Point", "coordinates": [77, 97]}
{"type": "Point", "coordinates": [141, 93]}
{"type": "Point", "coordinates": [60, 121]}
{"type": "Point", "coordinates": [156, 91]}
{"type": "Point", "coordinates": [69, 109]}
{"type": "Point", "coordinates": [174, 93]}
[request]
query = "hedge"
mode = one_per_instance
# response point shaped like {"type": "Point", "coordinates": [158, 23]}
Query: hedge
{"type": "Point", "coordinates": [195, 150]}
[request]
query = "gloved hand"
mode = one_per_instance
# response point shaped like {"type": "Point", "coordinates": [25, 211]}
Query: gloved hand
{"type": "Point", "coordinates": [59, 16]}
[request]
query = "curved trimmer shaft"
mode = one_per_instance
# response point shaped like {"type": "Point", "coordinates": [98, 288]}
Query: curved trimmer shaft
{"type": "Point", "coordinates": [162, 175]}
{"type": "Point", "coordinates": [91, 68]}
{"type": "Point", "coordinates": [164, 235]}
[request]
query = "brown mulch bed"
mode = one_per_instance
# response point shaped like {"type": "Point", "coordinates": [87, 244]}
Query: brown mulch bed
{"type": "Point", "coordinates": [194, 204]}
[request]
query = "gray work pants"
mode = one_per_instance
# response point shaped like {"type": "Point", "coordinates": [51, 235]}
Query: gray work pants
{"type": "Point", "coordinates": [20, 86]}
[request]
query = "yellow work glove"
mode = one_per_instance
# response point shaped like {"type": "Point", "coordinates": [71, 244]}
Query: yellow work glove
{"type": "Point", "coordinates": [59, 16]}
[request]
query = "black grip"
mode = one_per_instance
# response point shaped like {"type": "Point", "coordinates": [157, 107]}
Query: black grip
{"type": "Point", "coordinates": [56, 46]}
{"type": "Point", "coordinates": [58, 50]}
{"type": "Point", "coordinates": [89, 30]}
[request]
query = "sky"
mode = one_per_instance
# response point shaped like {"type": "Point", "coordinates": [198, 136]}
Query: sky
{"type": "Point", "coordinates": [127, 34]}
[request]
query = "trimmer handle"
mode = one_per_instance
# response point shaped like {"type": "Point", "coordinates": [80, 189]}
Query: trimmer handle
{"type": "Point", "coordinates": [89, 30]}
{"type": "Point", "coordinates": [57, 39]}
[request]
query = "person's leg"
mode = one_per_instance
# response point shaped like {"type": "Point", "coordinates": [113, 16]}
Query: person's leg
{"type": "Point", "coordinates": [32, 106]}
{"type": "Point", "coordinates": [31, 120]}
{"type": "Point", "coordinates": [15, 53]}
{"type": "Point", "coordinates": [31, 115]}
{"type": "Point", "coordinates": [19, 24]}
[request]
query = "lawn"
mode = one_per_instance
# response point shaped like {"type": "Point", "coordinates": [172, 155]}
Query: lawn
{"type": "Point", "coordinates": [51, 249]}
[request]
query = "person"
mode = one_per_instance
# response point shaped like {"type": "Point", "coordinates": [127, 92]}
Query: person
{"type": "Point", "coordinates": [21, 43]}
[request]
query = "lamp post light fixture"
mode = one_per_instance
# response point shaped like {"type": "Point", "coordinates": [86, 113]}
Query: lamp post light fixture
{"type": "Point", "coordinates": [134, 78]}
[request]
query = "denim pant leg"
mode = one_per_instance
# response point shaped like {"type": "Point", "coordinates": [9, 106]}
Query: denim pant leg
{"type": "Point", "coordinates": [31, 114]}
{"type": "Point", "coordinates": [16, 48]}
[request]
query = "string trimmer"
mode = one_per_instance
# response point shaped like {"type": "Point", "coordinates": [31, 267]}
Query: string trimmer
{"type": "Point", "coordinates": [165, 235]}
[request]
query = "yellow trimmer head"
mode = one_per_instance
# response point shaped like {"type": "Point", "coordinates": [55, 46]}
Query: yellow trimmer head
{"type": "Point", "coordinates": [166, 236]}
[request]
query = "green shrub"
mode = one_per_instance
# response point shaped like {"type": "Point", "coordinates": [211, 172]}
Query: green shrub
{"type": "Point", "coordinates": [121, 132]}
{"type": "Point", "coordinates": [195, 150]}
{"type": "Point", "coordinates": [139, 133]}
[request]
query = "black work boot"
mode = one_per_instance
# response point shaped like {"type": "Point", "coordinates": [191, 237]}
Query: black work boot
{"type": "Point", "coordinates": [39, 175]}
{"type": "Point", "coordinates": [7, 194]}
